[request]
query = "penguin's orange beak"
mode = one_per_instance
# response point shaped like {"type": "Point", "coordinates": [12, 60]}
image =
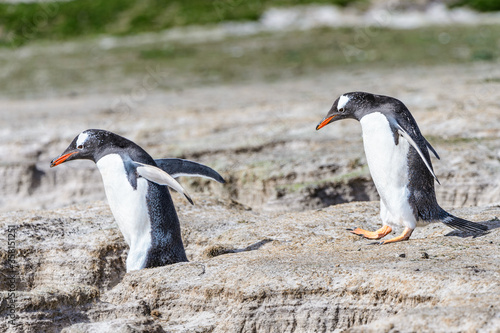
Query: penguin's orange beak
{"type": "Point", "coordinates": [61, 159]}
{"type": "Point", "coordinates": [325, 122]}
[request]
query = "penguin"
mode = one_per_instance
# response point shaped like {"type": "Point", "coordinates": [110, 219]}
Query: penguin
{"type": "Point", "coordinates": [134, 186]}
{"type": "Point", "coordinates": [399, 162]}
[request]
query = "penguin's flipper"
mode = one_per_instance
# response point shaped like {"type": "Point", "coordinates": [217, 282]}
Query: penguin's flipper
{"type": "Point", "coordinates": [432, 149]}
{"type": "Point", "coordinates": [160, 177]}
{"type": "Point", "coordinates": [177, 167]}
{"type": "Point", "coordinates": [412, 142]}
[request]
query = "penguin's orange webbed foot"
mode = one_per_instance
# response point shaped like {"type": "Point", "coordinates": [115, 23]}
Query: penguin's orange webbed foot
{"type": "Point", "coordinates": [382, 232]}
{"type": "Point", "coordinates": [404, 236]}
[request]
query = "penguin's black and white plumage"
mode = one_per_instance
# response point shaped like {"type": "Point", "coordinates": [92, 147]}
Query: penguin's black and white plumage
{"type": "Point", "coordinates": [399, 161]}
{"type": "Point", "coordinates": [134, 185]}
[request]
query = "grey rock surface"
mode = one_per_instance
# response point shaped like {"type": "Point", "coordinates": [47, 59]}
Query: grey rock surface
{"type": "Point", "coordinates": [267, 251]}
{"type": "Point", "coordinates": [262, 140]}
{"type": "Point", "coordinates": [253, 272]}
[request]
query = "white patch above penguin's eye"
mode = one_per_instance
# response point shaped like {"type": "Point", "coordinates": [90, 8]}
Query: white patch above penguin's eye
{"type": "Point", "coordinates": [343, 100]}
{"type": "Point", "coordinates": [81, 140]}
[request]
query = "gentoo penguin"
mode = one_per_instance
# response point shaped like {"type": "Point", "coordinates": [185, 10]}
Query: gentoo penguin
{"type": "Point", "coordinates": [142, 206]}
{"type": "Point", "coordinates": [399, 162]}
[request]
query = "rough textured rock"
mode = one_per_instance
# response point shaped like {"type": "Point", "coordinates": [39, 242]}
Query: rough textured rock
{"type": "Point", "coordinates": [266, 255]}
{"type": "Point", "coordinates": [263, 142]}
{"type": "Point", "coordinates": [253, 272]}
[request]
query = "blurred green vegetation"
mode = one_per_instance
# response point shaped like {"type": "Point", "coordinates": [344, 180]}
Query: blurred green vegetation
{"type": "Point", "coordinates": [480, 5]}
{"type": "Point", "coordinates": [115, 64]}
{"type": "Point", "coordinates": [335, 47]}
{"type": "Point", "coordinates": [23, 22]}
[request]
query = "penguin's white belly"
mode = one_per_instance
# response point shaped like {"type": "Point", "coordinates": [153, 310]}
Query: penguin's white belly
{"type": "Point", "coordinates": [129, 207]}
{"type": "Point", "coordinates": [389, 169]}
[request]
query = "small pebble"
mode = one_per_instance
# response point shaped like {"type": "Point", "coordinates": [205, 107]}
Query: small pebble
{"type": "Point", "coordinates": [425, 255]}
{"type": "Point", "coordinates": [402, 255]}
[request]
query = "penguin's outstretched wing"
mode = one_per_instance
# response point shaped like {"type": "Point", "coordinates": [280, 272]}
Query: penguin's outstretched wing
{"type": "Point", "coordinates": [397, 128]}
{"type": "Point", "coordinates": [177, 167]}
{"type": "Point", "coordinates": [158, 176]}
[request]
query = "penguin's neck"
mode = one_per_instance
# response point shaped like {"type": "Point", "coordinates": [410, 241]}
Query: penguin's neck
{"type": "Point", "coordinates": [129, 207]}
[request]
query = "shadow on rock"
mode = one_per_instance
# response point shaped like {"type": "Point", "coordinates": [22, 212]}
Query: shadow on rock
{"type": "Point", "coordinates": [218, 249]}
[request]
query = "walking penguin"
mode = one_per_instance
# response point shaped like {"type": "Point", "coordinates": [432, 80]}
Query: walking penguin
{"type": "Point", "coordinates": [399, 161]}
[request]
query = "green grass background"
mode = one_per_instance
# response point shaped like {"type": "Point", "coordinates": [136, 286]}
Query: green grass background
{"type": "Point", "coordinates": [24, 22]}
{"type": "Point", "coordinates": [64, 50]}
{"type": "Point", "coordinates": [62, 20]}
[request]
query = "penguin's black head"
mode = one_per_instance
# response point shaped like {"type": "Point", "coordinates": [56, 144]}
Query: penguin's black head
{"type": "Point", "coordinates": [353, 105]}
{"type": "Point", "coordinates": [91, 144]}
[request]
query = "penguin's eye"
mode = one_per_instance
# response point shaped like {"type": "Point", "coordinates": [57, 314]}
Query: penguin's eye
{"type": "Point", "coordinates": [79, 147]}
{"type": "Point", "coordinates": [341, 110]}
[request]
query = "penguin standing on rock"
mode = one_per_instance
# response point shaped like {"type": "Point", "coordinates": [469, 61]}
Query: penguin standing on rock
{"type": "Point", "coordinates": [134, 185]}
{"type": "Point", "coordinates": [399, 162]}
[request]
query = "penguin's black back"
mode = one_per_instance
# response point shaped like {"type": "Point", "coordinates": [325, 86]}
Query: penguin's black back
{"type": "Point", "coordinates": [422, 197]}
{"type": "Point", "coordinates": [166, 242]}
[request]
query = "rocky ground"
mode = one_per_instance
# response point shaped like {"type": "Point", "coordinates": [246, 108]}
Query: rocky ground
{"type": "Point", "coordinates": [268, 250]}
{"type": "Point", "coordinates": [251, 271]}
{"type": "Point", "coordinates": [261, 137]}
{"type": "Point", "coordinates": [255, 264]}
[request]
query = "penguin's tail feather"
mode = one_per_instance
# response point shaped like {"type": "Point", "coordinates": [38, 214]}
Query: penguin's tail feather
{"type": "Point", "coordinates": [464, 225]}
